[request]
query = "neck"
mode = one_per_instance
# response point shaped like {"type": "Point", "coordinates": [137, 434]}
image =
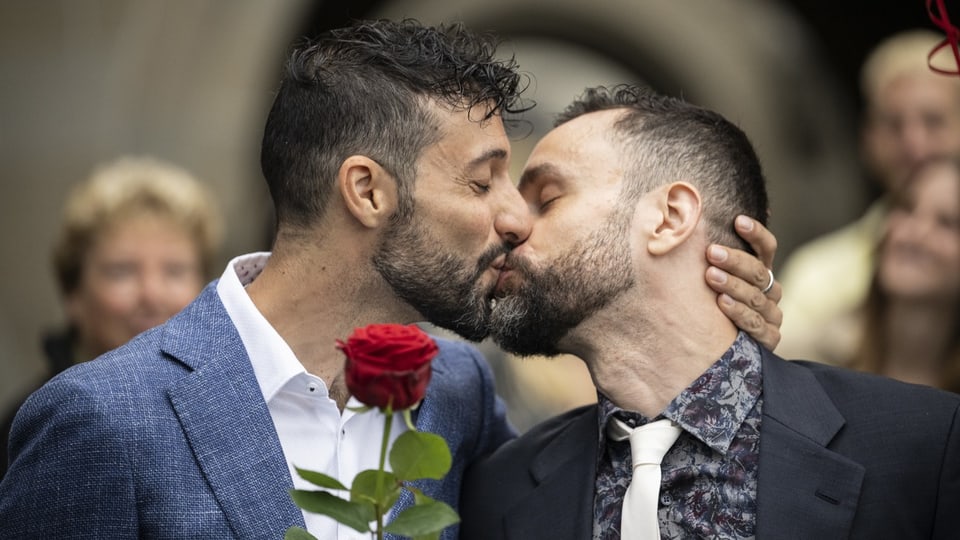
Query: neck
{"type": "Point", "coordinates": [919, 336]}
{"type": "Point", "coordinates": [318, 296]}
{"type": "Point", "coordinates": [642, 359]}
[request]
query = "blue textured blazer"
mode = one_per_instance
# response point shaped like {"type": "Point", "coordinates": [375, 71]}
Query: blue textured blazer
{"type": "Point", "coordinates": [169, 437]}
{"type": "Point", "coordinates": [842, 455]}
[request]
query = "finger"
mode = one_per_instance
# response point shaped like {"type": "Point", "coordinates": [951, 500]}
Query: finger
{"type": "Point", "coordinates": [750, 321]}
{"type": "Point", "coordinates": [744, 266]}
{"type": "Point", "coordinates": [750, 296]}
{"type": "Point", "coordinates": [761, 240]}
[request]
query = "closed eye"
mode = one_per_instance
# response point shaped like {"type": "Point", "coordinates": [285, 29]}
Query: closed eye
{"type": "Point", "coordinates": [480, 187]}
{"type": "Point", "coordinates": [547, 203]}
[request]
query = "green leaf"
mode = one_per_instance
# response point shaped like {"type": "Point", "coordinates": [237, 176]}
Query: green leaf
{"type": "Point", "coordinates": [364, 488]}
{"type": "Point", "coordinates": [356, 515]}
{"type": "Point", "coordinates": [298, 533]}
{"type": "Point", "coordinates": [419, 497]}
{"type": "Point", "coordinates": [320, 480]}
{"type": "Point", "coordinates": [427, 518]}
{"type": "Point", "coordinates": [416, 455]}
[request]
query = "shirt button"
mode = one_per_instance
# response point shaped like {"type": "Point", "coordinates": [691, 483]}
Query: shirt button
{"type": "Point", "coordinates": [312, 387]}
{"type": "Point", "coordinates": [666, 499]}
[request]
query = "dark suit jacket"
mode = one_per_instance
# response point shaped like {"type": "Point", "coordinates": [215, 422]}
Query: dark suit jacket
{"type": "Point", "coordinates": [169, 437]}
{"type": "Point", "coordinates": [842, 455]}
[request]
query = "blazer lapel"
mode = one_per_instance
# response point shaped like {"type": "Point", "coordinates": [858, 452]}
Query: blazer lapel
{"type": "Point", "coordinates": [227, 423]}
{"type": "Point", "coordinates": [564, 473]}
{"type": "Point", "coordinates": [803, 488]}
{"type": "Point", "coordinates": [430, 421]}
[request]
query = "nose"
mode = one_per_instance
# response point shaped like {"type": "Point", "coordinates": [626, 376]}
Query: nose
{"type": "Point", "coordinates": [153, 290]}
{"type": "Point", "coordinates": [915, 139]}
{"type": "Point", "coordinates": [513, 221]}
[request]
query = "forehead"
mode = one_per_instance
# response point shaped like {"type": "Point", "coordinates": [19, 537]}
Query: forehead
{"type": "Point", "coordinates": [919, 91]}
{"type": "Point", "coordinates": [463, 131]}
{"type": "Point", "coordinates": [579, 150]}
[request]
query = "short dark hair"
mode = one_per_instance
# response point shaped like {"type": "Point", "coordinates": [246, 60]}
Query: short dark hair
{"type": "Point", "coordinates": [665, 139]}
{"type": "Point", "coordinates": [369, 89]}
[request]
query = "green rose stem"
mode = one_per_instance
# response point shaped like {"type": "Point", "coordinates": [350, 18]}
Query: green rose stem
{"type": "Point", "coordinates": [414, 456]}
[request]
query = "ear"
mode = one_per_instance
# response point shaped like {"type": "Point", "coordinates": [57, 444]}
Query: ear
{"type": "Point", "coordinates": [369, 192]}
{"type": "Point", "coordinates": [679, 206]}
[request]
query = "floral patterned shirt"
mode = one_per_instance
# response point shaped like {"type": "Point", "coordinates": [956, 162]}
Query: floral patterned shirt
{"type": "Point", "coordinates": [709, 483]}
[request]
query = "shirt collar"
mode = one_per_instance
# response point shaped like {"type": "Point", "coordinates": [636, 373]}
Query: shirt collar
{"type": "Point", "coordinates": [714, 406]}
{"type": "Point", "coordinates": [274, 363]}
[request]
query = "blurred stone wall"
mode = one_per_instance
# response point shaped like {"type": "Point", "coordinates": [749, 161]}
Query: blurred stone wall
{"type": "Point", "coordinates": [83, 81]}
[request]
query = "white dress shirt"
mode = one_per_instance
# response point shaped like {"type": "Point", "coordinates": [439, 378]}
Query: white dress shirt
{"type": "Point", "coordinates": [313, 432]}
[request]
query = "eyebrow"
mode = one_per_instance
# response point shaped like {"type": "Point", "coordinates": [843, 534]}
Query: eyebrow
{"type": "Point", "coordinates": [491, 154]}
{"type": "Point", "coordinates": [544, 169]}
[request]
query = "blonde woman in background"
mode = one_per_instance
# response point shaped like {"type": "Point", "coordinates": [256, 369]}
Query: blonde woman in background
{"type": "Point", "coordinates": [137, 243]}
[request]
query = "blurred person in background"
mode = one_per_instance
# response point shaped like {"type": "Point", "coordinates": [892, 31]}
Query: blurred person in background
{"type": "Point", "coordinates": [909, 327]}
{"type": "Point", "coordinates": [137, 243]}
{"type": "Point", "coordinates": [911, 113]}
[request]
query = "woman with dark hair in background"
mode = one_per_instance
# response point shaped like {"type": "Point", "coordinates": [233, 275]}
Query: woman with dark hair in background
{"type": "Point", "coordinates": [911, 319]}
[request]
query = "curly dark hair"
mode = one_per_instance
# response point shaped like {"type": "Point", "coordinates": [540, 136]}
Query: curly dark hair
{"type": "Point", "coordinates": [370, 89]}
{"type": "Point", "coordinates": [666, 139]}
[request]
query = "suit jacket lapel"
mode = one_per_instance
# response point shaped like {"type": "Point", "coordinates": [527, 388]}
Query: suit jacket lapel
{"type": "Point", "coordinates": [227, 423]}
{"type": "Point", "coordinates": [803, 487]}
{"type": "Point", "coordinates": [426, 419]}
{"type": "Point", "coordinates": [564, 473]}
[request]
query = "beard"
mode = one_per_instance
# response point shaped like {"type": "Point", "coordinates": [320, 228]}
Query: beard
{"type": "Point", "coordinates": [443, 287]}
{"type": "Point", "coordinates": [548, 302]}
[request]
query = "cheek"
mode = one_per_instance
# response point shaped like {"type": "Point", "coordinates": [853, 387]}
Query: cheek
{"type": "Point", "coordinates": [465, 227]}
{"type": "Point", "coordinates": [950, 249]}
{"type": "Point", "coordinates": [101, 315]}
{"type": "Point", "coordinates": [112, 299]}
{"type": "Point", "coordinates": [182, 291]}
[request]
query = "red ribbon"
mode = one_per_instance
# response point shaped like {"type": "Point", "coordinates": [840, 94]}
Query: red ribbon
{"type": "Point", "coordinates": [942, 20]}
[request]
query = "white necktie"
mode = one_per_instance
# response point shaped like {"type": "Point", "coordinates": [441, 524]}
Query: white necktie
{"type": "Point", "coordinates": [648, 444]}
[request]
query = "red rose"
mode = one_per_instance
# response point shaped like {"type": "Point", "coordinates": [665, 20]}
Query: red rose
{"type": "Point", "coordinates": [387, 361]}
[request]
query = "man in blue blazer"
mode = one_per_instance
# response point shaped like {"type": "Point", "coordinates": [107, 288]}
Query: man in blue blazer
{"type": "Point", "coordinates": [192, 429]}
{"type": "Point", "coordinates": [170, 437]}
{"type": "Point", "coordinates": [765, 448]}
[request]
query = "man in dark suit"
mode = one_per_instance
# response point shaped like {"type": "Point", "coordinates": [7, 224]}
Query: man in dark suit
{"type": "Point", "coordinates": [628, 191]}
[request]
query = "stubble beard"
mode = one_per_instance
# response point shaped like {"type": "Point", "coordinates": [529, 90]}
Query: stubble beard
{"type": "Point", "coordinates": [534, 317]}
{"type": "Point", "coordinates": [444, 288]}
